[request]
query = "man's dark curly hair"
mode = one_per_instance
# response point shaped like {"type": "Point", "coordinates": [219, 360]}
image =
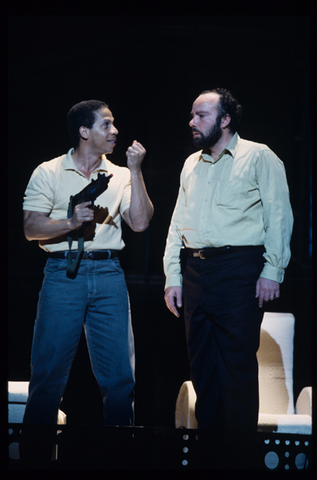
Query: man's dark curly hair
{"type": "Point", "coordinates": [82, 115]}
{"type": "Point", "coordinates": [228, 105]}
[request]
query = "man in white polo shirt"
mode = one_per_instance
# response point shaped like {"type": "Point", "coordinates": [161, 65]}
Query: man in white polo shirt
{"type": "Point", "coordinates": [95, 296]}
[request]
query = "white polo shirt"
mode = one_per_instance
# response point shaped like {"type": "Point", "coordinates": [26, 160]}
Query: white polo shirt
{"type": "Point", "coordinates": [49, 190]}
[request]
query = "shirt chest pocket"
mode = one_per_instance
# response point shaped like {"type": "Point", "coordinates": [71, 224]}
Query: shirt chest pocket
{"type": "Point", "coordinates": [228, 193]}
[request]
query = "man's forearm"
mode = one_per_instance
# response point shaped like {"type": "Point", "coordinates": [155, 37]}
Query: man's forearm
{"type": "Point", "coordinates": [41, 227]}
{"type": "Point", "coordinates": [38, 226]}
{"type": "Point", "coordinates": [141, 208]}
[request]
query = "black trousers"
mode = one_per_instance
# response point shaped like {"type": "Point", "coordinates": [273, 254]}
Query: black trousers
{"type": "Point", "coordinates": [223, 322]}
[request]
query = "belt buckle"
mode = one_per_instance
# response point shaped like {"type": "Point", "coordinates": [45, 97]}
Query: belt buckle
{"type": "Point", "coordinates": [201, 255]}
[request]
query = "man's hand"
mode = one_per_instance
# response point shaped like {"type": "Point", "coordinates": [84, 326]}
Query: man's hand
{"type": "Point", "coordinates": [266, 290]}
{"type": "Point", "coordinates": [173, 299]}
{"type": "Point", "coordinates": [82, 213]}
{"type": "Point", "coordinates": [135, 155]}
{"type": "Point", "coordinates": [140, 212]}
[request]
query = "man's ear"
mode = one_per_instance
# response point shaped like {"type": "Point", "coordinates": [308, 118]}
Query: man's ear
{"type": "Point", "coordinates": [84, 133]}
{"type": "Point", "coordinates": [225, 120]}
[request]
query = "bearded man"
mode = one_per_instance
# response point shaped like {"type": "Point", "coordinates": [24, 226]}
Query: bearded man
{"type": "Point", "coordinates": [231, 226]}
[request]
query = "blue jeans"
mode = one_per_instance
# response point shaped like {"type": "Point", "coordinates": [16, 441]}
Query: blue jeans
{"type": "Point", "coordinates": [97, 299]}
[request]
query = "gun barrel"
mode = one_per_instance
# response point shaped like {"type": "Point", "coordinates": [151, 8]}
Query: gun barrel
{"type": "Point", "coordinates": [93, 190]}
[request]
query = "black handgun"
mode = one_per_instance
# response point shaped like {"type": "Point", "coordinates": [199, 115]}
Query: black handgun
{"type": "Point", "coordinates": [89, 193]}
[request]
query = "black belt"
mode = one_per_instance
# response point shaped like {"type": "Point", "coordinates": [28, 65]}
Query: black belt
{"type": "Point", "coordinates": [208, 252]}
{"type": "Point", "coordinates": [94, 255]}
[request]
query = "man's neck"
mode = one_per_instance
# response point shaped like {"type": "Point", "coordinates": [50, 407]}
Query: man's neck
{"type": "Point", "coordinates": [216, 150]}
{"type": "Point", "coordinates": [86, 162]}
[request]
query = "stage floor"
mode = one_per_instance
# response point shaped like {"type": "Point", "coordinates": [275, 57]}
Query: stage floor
{"type": "Point", "coordinates": [146, 448]}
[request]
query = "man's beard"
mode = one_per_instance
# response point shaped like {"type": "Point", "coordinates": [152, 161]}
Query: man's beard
{"type": "Point", "coordinates": [211, 137]}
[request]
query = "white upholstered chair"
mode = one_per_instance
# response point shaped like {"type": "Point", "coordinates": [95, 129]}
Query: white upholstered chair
{"type": "Point", "coordinates": [17, 397]}
{"type": "Point", "coordinates": [277, 412]}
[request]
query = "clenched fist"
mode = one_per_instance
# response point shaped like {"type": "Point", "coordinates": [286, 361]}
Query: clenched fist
{"type": "Point", "coordinates": [135, 155]}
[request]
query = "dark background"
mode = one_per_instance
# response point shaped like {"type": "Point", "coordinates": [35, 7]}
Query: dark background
{"type": "Point", "coordinates": [149, 69]}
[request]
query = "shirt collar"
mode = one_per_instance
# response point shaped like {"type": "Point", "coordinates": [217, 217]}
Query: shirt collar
{"type": "Point", "coordinates": [68, 163]}
{"type": "Point", "coordinates": [230, 149]}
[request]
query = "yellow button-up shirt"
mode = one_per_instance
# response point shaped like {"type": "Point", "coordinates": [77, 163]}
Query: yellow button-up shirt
{"type": "Point", "coordinates": [49, 190]}
{"type": "Point", "coordinates": [242, 198]}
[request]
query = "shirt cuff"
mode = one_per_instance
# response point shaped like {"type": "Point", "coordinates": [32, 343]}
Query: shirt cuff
{"type": "Point", "coordinates": [174, 280]}
{"type": "Point", "coordinates": [273, 273]}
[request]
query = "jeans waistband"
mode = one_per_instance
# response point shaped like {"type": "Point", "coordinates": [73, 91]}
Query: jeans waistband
{"type": "Point", "coordinates": [93, 255]}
